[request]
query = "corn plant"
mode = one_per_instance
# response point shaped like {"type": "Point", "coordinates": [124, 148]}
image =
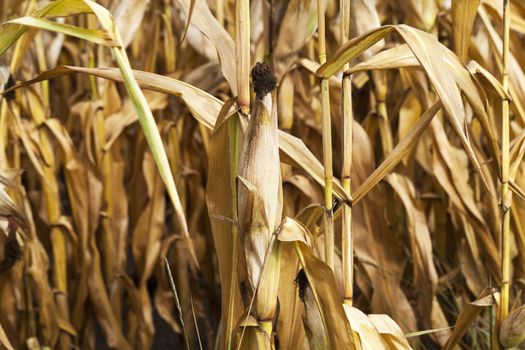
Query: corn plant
{"type": "Point", "coordinates": [234, 174]}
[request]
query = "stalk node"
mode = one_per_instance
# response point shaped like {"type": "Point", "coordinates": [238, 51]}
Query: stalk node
{"type": "Point", "coordinates": [245, 110]}
{"type": "Point", "coordinates": [328, 210]}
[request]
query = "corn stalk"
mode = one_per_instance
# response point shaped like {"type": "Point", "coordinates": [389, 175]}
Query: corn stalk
{"type": "Point", "coordinates": [327, 140]}
{"type": "Point", "coordinates": [235, 132]}
{"type": "Point", "coordinates": [219, 11]}
{"type": "Point", "coordinates": [242, 58]}
{"type": "Point", "coordinates": [242, 53]}
{"type": "Point", "coordinates": [347, 240]}
{"type": "Point", "coordinates": [506, 194]}
{"type": "Point", "coordinates": [52, 200]}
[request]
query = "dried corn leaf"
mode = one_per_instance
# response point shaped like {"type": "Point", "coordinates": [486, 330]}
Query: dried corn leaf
{"type": "Point", "coordinates": [365, 332]}
{"type": "Point", "coordinates": [390, 332]}
{"type": "Point", "coordinates": [220, 190]}
{"type": "Point", "coordinates": [431, 54]}
{"type": "Point", "coordinates": [128, 18]}
{"type": "Point", "coordinates": [398, 153]}
{"type": "Point", "coordinates": [4, 340]}
{"type": "Point", "coordinates": [512, 331]}
{"type": "Point", "coordinates": [463, 16]}
{"type": "Point", "coordinates": [468, 314]}
{"type": "Point", "coordinates": [329, 318]}
{"type": "Point", "coordinates": [204, 21]}
{"type": "Point", "coordinates": [289, 328]}
{"type": "Point", "coordinates": [425, 274]}
{"type": "Point", "coordinates": [205, 109]}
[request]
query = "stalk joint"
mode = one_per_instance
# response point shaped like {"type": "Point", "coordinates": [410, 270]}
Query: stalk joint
{"type": "Point", "coordinates": [327, 210]}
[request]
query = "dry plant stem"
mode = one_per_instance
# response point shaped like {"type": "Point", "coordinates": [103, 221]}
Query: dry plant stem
{"type": "Point", "coordinates": [327, 141]}
{"type": "Point", "coordinates": [242, 57]}
{"type": "Point", "coordinates": [29, 300]}
{"type": "Point", "coordinates": [234, 158]}
{"type": "Point", "coordinates": [58, 238]}
{"type": "Point", "coordinates": [176, 299]}
{"type": "Point", "coordinates": [219, 11]}
{"type": "Point", "coordinates": [42, 66]}
{"type": "Point", "coordinates": [384, 129]}
{"type": "Point", "coordinates": [384, 126]}
{"type": "Point", "coordinates": [242, 53]}
{"type": "Point", "coordinates": [347, 239]}
{"type": "Point", "coordinates": [267, 327]}
{"type": "Point", "coordinates": [195, 322]}
{"type": "Point", "coordinates": [170, 48]}
{"type": "Point", "coordinates": [104, 163]}
{"type": "Point", "coordinates": [506, 195]}
{"type": "Point", "coordinates": [31, 326]}
{"type": "Point", "coordinates": [3, 132]}
{"type": "Point", "coordinates": [311, 77]}
{"type": "Point", "coordinates": [92, 80]}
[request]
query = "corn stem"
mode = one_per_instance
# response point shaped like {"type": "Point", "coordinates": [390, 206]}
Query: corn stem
{"type": "Point", "coordinates": [506, 195]}
{"type": "Point", "coordinates": [242, 53]}
{"type": "Point", "coordinates": [234, 158]}
{"type": "Point", "coordinates": [267, 326]}
{"type": "Point", "coordinates": [52, 197]}
{"type": "Point", "coordinates": [327, 140]}
{"type": "Point", "coordinates": [347, 239]}
{"type": "Point", "coordinates": [219, 11]}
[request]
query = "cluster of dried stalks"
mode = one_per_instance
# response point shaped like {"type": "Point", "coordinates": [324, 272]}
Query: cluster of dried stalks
{"type": "Point", "coordinates": [363, 188]}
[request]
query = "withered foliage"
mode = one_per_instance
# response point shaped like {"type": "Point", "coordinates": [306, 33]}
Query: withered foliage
{"type": "Point", "coordinates": [136, 130]}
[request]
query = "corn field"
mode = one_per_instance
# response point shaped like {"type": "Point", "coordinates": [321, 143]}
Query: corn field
{"type": "Point", "coordinates": [264, 174]}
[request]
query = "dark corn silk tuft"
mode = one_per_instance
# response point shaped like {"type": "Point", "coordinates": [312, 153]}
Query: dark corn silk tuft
{"type": "Point", "coordinates": [12, 250]}
{"type": "Point", "coordinates": [11, 95]}
{"type": "Point", "coordinates": [263, 79]}
{"type": "Point", "coordinates": [301, 282]}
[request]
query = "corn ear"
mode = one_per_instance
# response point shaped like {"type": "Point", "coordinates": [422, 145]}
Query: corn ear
{"type": "Point", "coordinates": [259, 196]}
